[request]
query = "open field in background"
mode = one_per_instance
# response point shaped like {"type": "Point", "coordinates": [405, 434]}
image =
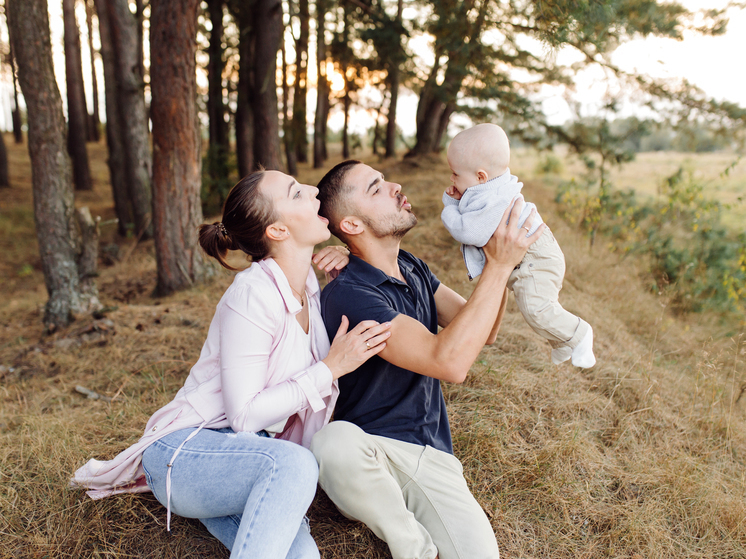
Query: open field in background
{"type": "Point", "coordinates": [648, 172]}
{"type": "Point", "coordinates": [643, 456]}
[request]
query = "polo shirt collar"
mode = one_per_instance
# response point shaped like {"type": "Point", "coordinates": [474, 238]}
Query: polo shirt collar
{"type": "Point", "coordinates": [292, 304]}
{"type": "Point", "coordinates": [375, 276]}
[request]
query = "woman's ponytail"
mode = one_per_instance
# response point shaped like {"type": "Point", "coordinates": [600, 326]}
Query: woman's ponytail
{"type": "Point", "coordinates": [246, 215]}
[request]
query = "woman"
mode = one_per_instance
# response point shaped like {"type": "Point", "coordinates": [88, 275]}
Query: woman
{"type": "Point", "coordinates": [229, 449]}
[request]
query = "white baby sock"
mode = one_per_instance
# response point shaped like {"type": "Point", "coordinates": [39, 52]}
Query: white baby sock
{"type": "Point", "coordinates": [582, 355]}
{"type": "Point", "coordinates": [561, 354]}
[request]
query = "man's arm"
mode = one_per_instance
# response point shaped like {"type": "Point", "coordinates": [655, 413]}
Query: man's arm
{"type": "Point", "coordinates": [450, 303]}
{"type": "Point", "coordinates": [449, 354]}
{"type": "Point", "coordinates": [499, 320]}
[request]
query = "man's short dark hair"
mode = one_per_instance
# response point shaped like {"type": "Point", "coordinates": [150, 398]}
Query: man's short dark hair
{"type": "Point", "coordinates": [332, 193]}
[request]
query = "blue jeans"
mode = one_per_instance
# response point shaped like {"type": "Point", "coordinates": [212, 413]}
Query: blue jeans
{"type": "Point", "coordinates": [250, 491]}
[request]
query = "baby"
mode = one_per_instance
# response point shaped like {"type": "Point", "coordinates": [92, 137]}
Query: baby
{"type": "Point", "coordinates": [481, 191]}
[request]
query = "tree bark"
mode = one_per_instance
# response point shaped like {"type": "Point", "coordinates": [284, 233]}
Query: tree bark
{"type": "Point", "coordinates": [116, 160]}
{"type": "Point", "coordinates": [4, 182]}
{"type": "Point", "coordinates": [322, 89]}
{"type": "Point", "coordinates": [215, 104]}
{"type": "Point", "coordinates": [16, 113]}
{"type": "Point", "coordinates": [140, 17]}
{"type": "Point", "coordinates": [346, 102]}
{"type": "Point", "coordinates": [394, 98]}
{"type": "Point", "coordinates": [177, 210]}
{"type": "Point", "coordinates": [56, 228]}
{"type": "Point", "coordinates": [300, 89]}
{"type": "Point", "coordinates": [88, 253]}
{"type": "Point", "coordinates": [244, 112]}
{"type": "Point", "coordinates": [287, 132]}
{"type": "Point", "coordinates": [132, 113]}
{"type": "Point", "coordinates": [77, 114]}
{"type": "Point", "coordinates": [216, 160]}
{"type": "Point", "coordinates": [267, 32]}
{"type": "Point", "coordinates": [95, 119]}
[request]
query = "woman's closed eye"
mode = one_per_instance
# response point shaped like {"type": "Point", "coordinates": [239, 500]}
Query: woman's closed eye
{"type": "Point", "coordinates": [297, 194]}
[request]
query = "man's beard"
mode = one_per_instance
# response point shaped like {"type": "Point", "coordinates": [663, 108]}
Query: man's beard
{"type": "Point", "coordinates": [388, 228]}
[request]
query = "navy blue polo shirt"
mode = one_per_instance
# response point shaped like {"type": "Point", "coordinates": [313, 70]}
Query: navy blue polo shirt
{"type": "Point", "coordinates": [381, 398]}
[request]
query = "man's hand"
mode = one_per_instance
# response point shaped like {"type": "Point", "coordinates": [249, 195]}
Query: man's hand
{"type": "Point", "coordinates": [509, 243]}
{"type": "Point", "coordinates": [453, 192]}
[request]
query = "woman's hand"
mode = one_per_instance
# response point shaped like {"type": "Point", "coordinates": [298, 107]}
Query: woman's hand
{"type": "Point", "coordinates": [509, 243]}
{"type": "Point", "coordinates": [351, 349]}
{"type": "Point", "coordinates": [331, 258]}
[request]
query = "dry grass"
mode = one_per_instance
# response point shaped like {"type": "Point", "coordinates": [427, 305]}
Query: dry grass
{"type": "Point", "coordinates": [640, 457]}
{"type": "Point", "coordinates": [647, 173]}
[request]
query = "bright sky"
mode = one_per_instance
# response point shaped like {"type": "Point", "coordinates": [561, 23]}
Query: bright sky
{"type": "Point", "coordinates": [712, 63]}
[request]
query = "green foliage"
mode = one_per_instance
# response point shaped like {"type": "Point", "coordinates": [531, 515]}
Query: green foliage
{"type": "Point", "coordinates": [549, 164]}
{"type": "Point", "coordinates": [218, 176]}
{"type": "Point", "coordinates": [692, 256]}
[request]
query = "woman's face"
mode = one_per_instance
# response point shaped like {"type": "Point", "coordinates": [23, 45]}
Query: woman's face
{"type": "Point", "coordinates": [297, 207]}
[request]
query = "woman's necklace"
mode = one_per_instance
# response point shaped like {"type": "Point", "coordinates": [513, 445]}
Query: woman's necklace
{"type": "Point", "coordinates": [302, 299]}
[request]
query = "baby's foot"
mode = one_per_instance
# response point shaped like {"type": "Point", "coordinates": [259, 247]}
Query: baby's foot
{"type": "Point", "coordinates": [561, 354]}
{"type": "Point", "coordinates": [582, 355]}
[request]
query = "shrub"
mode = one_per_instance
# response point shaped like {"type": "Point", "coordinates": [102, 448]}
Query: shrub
{"type": "Point", "coordinates": [692, 256]}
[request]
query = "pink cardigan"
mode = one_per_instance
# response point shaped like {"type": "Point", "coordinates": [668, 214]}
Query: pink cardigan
{"type": "Point", "coordinates": [252, 373]}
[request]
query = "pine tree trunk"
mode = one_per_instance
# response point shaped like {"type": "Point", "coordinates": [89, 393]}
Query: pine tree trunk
{"type": "Point", "coordinates": [322, 89]}
{"type": "Point", "coordinates": [244, 113]}
{"type": "Point", "coordinates": [54, 212]}
{"type": "Point", "coordinates": [132, 113]}
{"type": "Point", "coordinates": [140, 17]}
{"type": "Point", "coordinates": [287, 132]}
{"type": "Point", "coordinates": [177, 210]}
{"type": "Point", "coordinates": [4, 182]}
{"type": "Point", "coordinates": [346, 101]}
{"type": "Point", "coordinates": [394, 98]}
{"type": "Point", "coordinates": [95, 118]}
{"type": "Point", "coordinates": [300, 90]}
{"type": "Point", "coordinates": [267, 31]}
{"type": "Point", "coordinates": [215, 104]}
{"type": "Point", "coordinates": [16, 113]}
{"type": "Point", "coordinates": [445, 118]}
{"type": "Point", "coordinates": [117, 169]}
{"type": "Point", "coordinates": [77, 114]}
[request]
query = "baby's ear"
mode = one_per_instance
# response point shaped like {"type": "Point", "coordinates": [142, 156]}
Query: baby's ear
{"type": "Point", "coordinates": [482, 176]}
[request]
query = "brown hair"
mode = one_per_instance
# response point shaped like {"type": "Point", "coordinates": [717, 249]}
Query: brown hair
{"type": "Point", "coordinates": [246, 215]}
{"type": "Point", "coordinates": [332, 192]}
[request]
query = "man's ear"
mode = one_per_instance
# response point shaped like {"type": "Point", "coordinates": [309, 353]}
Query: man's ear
{"type": "Point", "coordinates": [482, 176]}
{"type": "Point", "coordinates": [277, 231]}
{"type": "Point", "coordinates": [351, 225]}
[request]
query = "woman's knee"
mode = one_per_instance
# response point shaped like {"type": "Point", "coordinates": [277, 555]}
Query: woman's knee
{"type": "Point", "coordinates": [296, 463]}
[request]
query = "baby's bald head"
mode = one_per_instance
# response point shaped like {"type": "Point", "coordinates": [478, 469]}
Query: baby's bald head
{"type": "Point", "coordinates": [484, 146]}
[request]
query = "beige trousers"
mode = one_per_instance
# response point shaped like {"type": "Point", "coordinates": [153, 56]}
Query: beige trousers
{"type": "Point", "coordinates": [536, 283]}
{"type": "Point", "coordinates": [413, 497]}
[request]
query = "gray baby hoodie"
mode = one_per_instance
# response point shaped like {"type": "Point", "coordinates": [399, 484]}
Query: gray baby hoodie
{"type": "Point", "coordinates": [473, 219]}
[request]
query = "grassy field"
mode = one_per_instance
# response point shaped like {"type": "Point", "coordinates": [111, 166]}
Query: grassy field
{"type": "Point", "coordinates": [723, 175]}
{"type": "Point", "coordinates": [642, 456]}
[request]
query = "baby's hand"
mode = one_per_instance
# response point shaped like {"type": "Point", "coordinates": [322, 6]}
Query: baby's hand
{"type": "Point", "coordinates": [453, 192]}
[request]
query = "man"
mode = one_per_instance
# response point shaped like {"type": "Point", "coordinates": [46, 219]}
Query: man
{"type": "Point", "coordinates": [387, 460]}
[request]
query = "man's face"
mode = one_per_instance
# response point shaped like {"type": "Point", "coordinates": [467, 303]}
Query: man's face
{"type": "Point", "coordinates": [379, 203]}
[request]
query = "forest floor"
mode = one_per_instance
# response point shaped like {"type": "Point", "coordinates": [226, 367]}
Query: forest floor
{"type": "Point", "coordinates": [642, 456]}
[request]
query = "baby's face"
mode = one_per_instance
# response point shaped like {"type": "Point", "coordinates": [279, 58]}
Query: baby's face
{"type": "Point", "coordinates": [462, 177]}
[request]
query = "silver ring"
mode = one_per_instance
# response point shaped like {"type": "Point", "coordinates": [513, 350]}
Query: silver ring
{"type": "Point", "coordinates": [526, 228]}
{"type": "Point", "coordinates": [367, 344]}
